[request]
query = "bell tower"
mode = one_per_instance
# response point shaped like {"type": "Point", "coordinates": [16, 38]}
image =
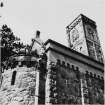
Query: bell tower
{"type": "Point", "coordinates": [83, 37]}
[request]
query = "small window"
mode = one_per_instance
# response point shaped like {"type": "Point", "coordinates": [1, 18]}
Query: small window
{"type": "Point", "coordinates": [1, 79]}
{"type": "Point", "coordinates": [13, 78]}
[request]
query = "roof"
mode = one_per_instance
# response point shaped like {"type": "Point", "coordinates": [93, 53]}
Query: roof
{"type": "Point", "coordinates": [85, 18]}
{"type": "Point", "coordinates": [64, 50]}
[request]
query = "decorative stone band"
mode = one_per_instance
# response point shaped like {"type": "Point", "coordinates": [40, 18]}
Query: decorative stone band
{"type": "Point", "coordinates": [76, 68]}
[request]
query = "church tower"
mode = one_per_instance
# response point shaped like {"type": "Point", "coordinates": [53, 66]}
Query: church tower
{"type": "Point", "coordinates": [83, 37]}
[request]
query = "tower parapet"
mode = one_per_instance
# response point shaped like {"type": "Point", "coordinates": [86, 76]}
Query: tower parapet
{"type": "Point", "coordinates": [22, 76]}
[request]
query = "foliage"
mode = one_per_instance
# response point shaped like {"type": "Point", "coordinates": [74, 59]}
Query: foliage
{"type": "Point", "coordinates": [10, 44]}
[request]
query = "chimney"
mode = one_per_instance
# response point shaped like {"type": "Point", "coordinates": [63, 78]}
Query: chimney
{"type": "Point", "coordinates": [37, 34]}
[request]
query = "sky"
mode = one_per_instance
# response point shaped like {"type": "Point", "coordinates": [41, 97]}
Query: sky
{"type": "Point", "coordinates": [51, 17]}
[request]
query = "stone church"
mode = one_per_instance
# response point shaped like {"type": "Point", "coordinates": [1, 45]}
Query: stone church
{"type": "Point", "coordinates": [50, 73]}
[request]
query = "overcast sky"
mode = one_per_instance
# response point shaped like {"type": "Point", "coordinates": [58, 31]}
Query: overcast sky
{"type": "Point", "coordinates": [51, 17]}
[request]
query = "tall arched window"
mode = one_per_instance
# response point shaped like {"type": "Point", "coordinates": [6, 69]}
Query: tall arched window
{"type": "Point", "coordinates": [13, 78]}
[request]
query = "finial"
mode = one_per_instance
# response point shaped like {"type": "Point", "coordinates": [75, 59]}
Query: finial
{"type": "Point", "coordinates": [1, 4]}
{"type": "Point", "coordinates": [37, 34]}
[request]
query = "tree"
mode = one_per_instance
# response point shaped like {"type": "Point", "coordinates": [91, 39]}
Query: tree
{"type": "Point", "coordinates": [10, 44]}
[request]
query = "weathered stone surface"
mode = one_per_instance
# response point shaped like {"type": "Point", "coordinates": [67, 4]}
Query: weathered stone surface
{"type": "Point", "coordinates": [23, 91]}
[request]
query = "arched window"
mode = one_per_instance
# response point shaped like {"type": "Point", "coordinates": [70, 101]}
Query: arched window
{"type": "Point", "coordinates": [13, 78]}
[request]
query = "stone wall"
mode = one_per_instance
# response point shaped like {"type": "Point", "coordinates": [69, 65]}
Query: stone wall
{"type": "Point", "coordinates": [22, 92]}
{"type": "Point", "coordinates": [68, 85]}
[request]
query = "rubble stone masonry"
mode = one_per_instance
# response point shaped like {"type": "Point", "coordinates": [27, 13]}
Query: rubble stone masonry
{"type": "Point", "coordinates": [20, 90]}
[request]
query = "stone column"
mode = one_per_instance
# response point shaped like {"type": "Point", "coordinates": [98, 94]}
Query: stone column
{"type": "Point", "coordinates": [37, 86]}
{"type": "Point", "coordinates": [47, 86]}
{"type": "Point", "coordinates": [50, 88]}
{"type": "Point", "coordinates": [82, 94]}
{"type": "Point", "coordinates": [83, 88]}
